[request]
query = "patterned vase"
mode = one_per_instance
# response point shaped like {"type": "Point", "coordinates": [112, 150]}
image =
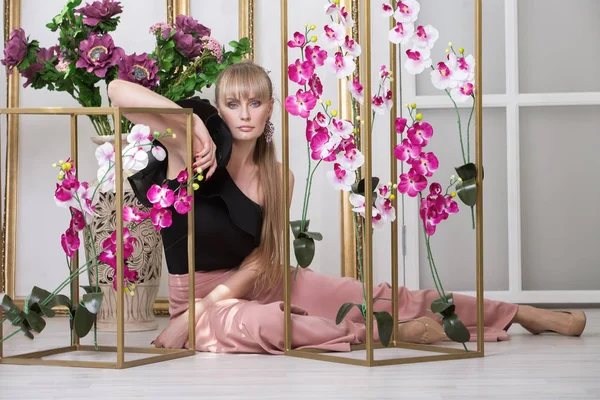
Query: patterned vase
{"type": "Point", "coordinates": [147, 260]}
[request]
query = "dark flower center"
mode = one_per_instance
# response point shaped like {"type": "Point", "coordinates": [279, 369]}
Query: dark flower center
{"type": "Point", "coordinates": [95, 52]}
{"type": "Point", "coordinates": [140, 72]}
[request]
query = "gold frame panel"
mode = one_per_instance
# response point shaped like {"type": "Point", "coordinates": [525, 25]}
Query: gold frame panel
{"type": "Point", "coordinates": [446, 353]}
{"type": "Point", "coordinates": [158, 355]}
{"type": "Point", "coordinates": [12, 20]}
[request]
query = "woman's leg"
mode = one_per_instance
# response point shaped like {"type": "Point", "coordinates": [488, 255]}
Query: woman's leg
{"type": "Point", "coordinates": [242, 326]}
{"type": "Point", "coordinates": [323, 295]}
{"type": "Point", "coordinates": [538, 320]}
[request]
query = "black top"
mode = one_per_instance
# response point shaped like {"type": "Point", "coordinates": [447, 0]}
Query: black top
{"type": "Point", "coordinates": [227, 224]}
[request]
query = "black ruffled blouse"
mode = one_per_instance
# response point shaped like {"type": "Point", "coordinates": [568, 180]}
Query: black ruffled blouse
{"type": "Point", "coordinates": [227, 224]}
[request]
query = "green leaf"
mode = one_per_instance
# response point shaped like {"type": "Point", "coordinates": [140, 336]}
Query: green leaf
{"type": "Point", "coordinates": [344, 310]}
{"type": "Point", "coordinates": [10, 308]}
{"type": "Point", "coordinates": [296, 225]}
{"type": "Point", "coordinates": [48, 312]}
{"type": "Point", "coordinates": [443, 305]}
{"type": "Point", "coordinates": [467, 192]}
{"type": "Point", "coordinates": [359, 188]}
{"type": "Point", "coordinates": [385, 326]}
{"type": "Point", "coordinates": [455, 329]}
{"type": "Point", "coordinates": [91, 289]}
{"type": "Point", "coordinates": [84, 320]}
{"type": "Point", "coordinates": [190, 84]}
{"type": "Point", "coordinates": [38, 295]}
{"type": "Point", "coordinates": [467, 171]}
{"type": "Point", "coordinates": [36, 322]}
{"type": "Point", "coordinates": [304, 249]}
{"type": "Point", "coordinates": [59, 300]}
{"type": "Point", "coordinates": [93, 301]}
{"type": "Point", "coordinates": [312, 235]}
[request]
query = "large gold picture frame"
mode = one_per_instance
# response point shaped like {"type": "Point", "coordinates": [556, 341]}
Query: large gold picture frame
{"type": "Point", "coordinates": [12, 20]}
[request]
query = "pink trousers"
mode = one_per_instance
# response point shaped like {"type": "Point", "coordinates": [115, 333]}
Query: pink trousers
{"type": "Point", "coordinates": [256, 325]}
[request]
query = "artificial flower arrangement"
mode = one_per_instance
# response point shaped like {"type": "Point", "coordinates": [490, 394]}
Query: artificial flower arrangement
{"type": "Point", "coordinates": [336, 141]}
{"type": "Point", "coordinates": [186, 58]}
{"type": "Point", "coordinates": [80, 198]}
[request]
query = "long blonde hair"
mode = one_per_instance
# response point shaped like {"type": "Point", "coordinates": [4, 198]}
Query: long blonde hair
{"type": "Point", "coordinates": [242, 80]}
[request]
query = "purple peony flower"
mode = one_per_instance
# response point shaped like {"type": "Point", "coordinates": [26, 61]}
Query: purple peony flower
{"type": "Point", "coordinates": [139, 69]}
{"type": "Point", "coordinates": [97, 54]}
{"type": "Point", "coordinates": [188, 45]}
{"type": "Point", "coordinates": [16, 49]}
{"type": "Point", "coordinates": [99, 11]}
{"type": "Point", "coordinates": [191, 25]}
{"type": "Point", "coordinates": [43, 55]}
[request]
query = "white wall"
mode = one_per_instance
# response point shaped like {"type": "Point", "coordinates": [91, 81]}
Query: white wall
{"type": "Point", "coordinates": [44, 140]}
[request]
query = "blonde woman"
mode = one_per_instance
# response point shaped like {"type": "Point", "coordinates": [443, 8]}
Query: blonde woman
{"type": "Point", "coordinates": [238, 233]}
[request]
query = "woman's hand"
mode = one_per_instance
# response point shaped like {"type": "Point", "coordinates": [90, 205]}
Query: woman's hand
{"type": "Point", "coordinates": [204, 150]}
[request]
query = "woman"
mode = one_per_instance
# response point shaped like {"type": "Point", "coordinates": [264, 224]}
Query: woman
{"type": "Point", "coordinates": [238, 227]}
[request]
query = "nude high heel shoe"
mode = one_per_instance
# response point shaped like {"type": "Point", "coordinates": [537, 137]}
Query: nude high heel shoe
{"type": "Point", "coordinates": [575, 328]}
{"type": "Point", "coordinates": [423, 330]}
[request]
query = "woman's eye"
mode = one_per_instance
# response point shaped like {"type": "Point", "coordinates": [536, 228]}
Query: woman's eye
{"type": "Point", "coordinates": [232, 105]}
{"type": "Point", "coordinates": [255, 104]}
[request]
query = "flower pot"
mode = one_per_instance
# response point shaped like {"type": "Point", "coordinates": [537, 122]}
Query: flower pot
{"type": "Point", "coordinates": [147, 260]}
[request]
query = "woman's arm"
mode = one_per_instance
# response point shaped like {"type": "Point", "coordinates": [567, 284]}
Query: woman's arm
{"type": "Point", "coordinates": [128, 94]}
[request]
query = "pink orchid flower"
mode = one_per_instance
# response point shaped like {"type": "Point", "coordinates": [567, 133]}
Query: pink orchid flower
{"type": "Point", "coordinates": [300, 104]}
{"type": "Point", "coordinates": [161, 196]}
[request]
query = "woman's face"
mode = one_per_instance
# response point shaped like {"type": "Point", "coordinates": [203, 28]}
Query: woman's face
{"type": "Point", "coordinates": [246, 118]}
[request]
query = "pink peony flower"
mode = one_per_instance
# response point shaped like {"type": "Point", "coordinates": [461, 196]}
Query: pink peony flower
{"type": "Point", "coordinates": [190, 25]}
{"type": "Point", "coordinates": [16, 50]}
{"type": "Point", "coordinates": [139, 69]}
{"type": "Point", "coordinates": [42, 56]}
{"type": "Point", "coordinates": [187, 44]}
{"type": "Point", "coordinates": [98, 54]}
{"type": "Point", "coordinates": [99, 11]}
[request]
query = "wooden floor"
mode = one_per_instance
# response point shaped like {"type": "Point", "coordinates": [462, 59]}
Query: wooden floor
{"type": "Point", "coordinates": [525, 367]}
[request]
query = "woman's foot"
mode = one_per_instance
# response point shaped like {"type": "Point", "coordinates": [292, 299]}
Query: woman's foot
{"type": "Point", "coordinates": [536, 321]}
{"type": "Point", "coordinates": [423, 330]}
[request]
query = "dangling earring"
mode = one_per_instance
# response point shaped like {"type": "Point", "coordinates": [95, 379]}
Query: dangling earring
{"type": "Point", "coordinates": [269, 130]}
